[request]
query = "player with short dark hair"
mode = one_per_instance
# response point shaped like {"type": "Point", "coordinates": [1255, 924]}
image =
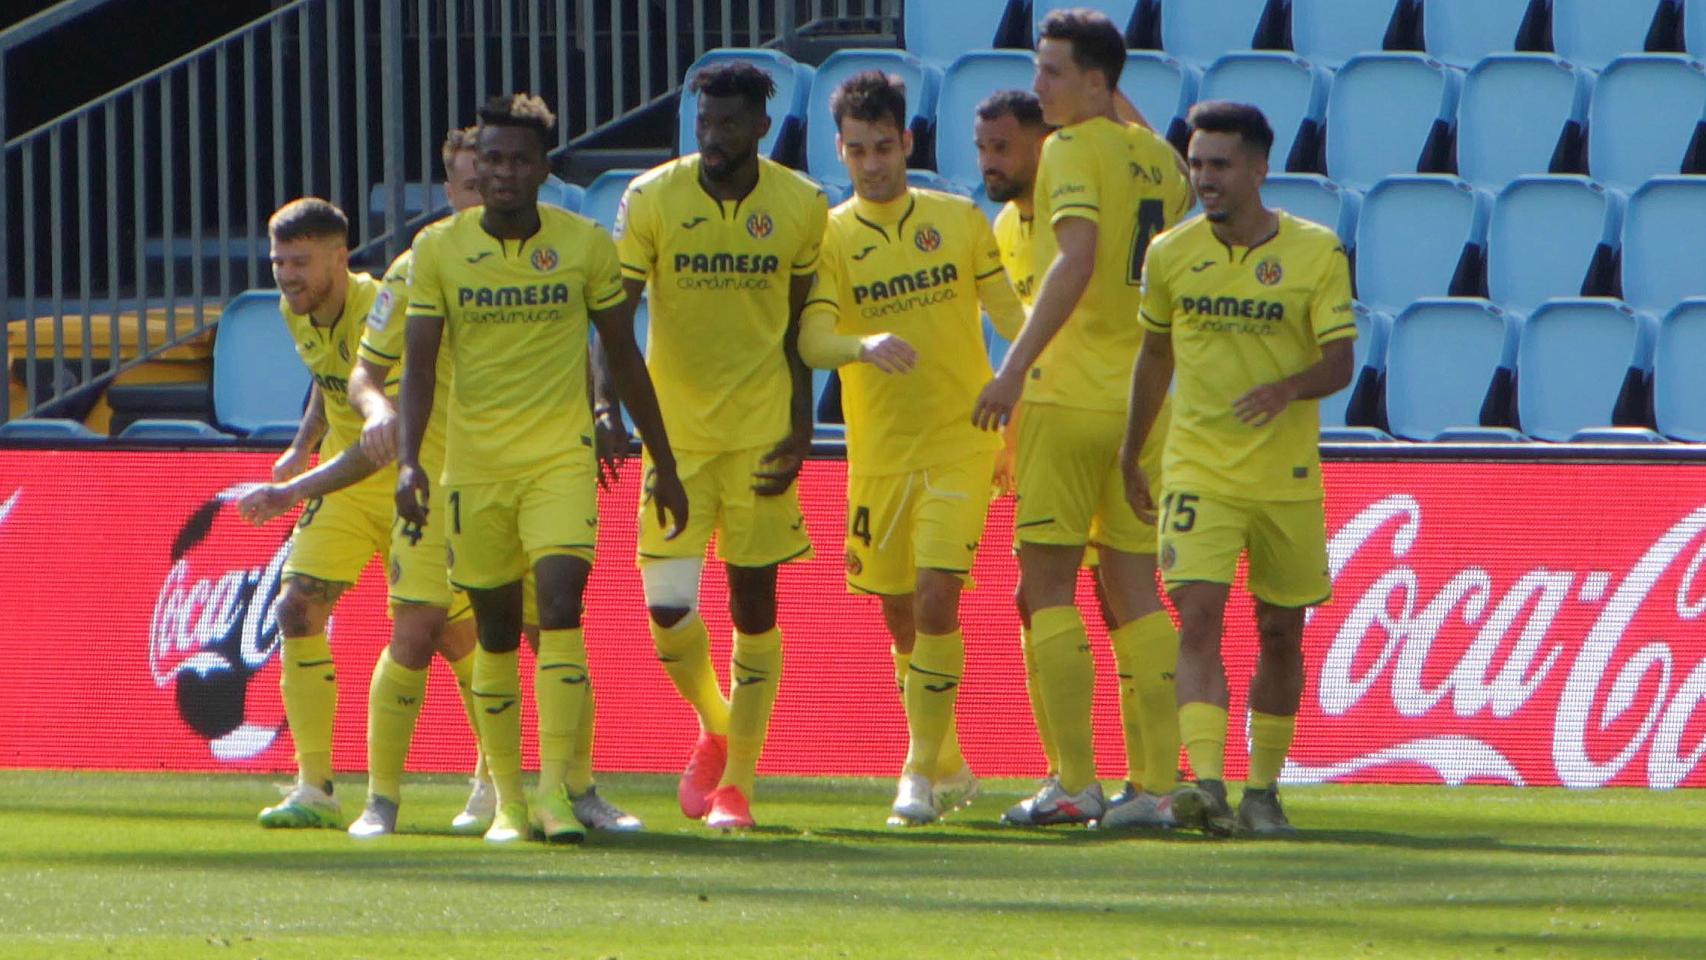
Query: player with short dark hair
{"type": "Point", "coordinates": [1247, 314]}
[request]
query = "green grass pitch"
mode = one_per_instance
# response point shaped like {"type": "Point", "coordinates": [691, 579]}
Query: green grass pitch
{"type": "Point", "coordinates": [96, 865]}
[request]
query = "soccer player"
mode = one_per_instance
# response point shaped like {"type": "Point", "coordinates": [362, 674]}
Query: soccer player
{"type": "Point", "coordinates": [1104, 188]}
{"type": "Point", "coordinates": [1247, 314]}
{"type": "Point", "coordinates": [515, 283]}
{"type": "Point", "coordinates": [896, 308]}
{"type": "Point", "coordinates": [728, 241]}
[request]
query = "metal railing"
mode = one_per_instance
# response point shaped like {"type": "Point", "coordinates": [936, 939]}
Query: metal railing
{"type": "Point", "coordinates": [150, 202]}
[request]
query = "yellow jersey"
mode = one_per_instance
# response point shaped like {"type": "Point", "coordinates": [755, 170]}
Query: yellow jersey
{"type": "Point", "coordinates": [719, 273]}
{"type": "Point", "coordinates": [516, 322]}
{"type": "Point", "coordinates": [329, 354]}
{"type": "Point", "coordinates": [1240, 317]}
{"type": "Point", "coordinates": [1127, 181]}
{"type": "Point", "coordinates": [916, 267]}
{"type": "Point", "coordinates": [382, 344]}
{"type": "Point", "coordinates": [1013, 238]}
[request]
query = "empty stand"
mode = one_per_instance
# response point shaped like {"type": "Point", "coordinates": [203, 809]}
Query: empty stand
{"type": "Point", "coordinates": [257, 377]}
{"type": "Point", "coordinates": [964, 85]}
{"type": "Point", "coordinates": [1358, 404]}
{"type": "Point", "coordinates": [173, 430]}
{"type": "Point", "coordinates": [1290, 91]}
{"type": "Point", "coordinates": [1390, 113]}
{"type": "Point", "coordinates": [1664, 236]}
{"type": "Point", "coordinates": [921, 82]}
{"type": "Point", "coordinates": [1552, 237]}
{"type": "Point", "coordinates": [939, 32]}
{"type": "Point", "coordinates": [1201, 32]}
{"type": "Point", "coordinates": [1583, 364]}
{"type": "Point", "coordinates": [1121, 12]}
{"type": "Point", "coordinates": [1645, 117]}
{"type": "Point", "coordinates": [54, 429]}
{"type": "Point", "coordinates": [604, 196]}
{"type": "Point", "coordinates": [1461, 32]}
{"type": "Point", "coordinates": [1329, 32]}
{"type": "Point", "coordinates": [1314, 197]}
{"type": "Point", "coordinates": [1522, 113]}
{"type": "Point", "coordinates": [1420, 236]}
{"type": "Point", "coordinates": [561, 193]}
{"type": "Point", "coordinates": [1679, 390]}
{"type": "Point", "coordinates": [1163, 89]}
{"type": "Point", "coordinates": [787, 108]}
{"type": "Point", "coordinates": [1449, 366]}
{"type": "Point", "coordinates": [1592, 33]}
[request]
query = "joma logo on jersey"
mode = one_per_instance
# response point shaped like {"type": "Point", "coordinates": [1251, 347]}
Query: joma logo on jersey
{"type": "Point", "coordinates": [905, 283]}
{"type": "Point", "coordinates": [726, 263]}
{"type": "Point", "coordinates": [1268, 272]}
{"type": "Point", "coordinates": [545, 260]}
{"type": "Point", "coordinates": [1245, 308]}
{"type": "Point", "coordinates": [759, 225]}
{"type": "Point", "coordinates": [532, 295]}
{"type": "Point", "coordinates": [927, 238]}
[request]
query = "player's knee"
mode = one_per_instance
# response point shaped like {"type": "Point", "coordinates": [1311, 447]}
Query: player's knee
{"type": "Point", "coordinates": [299, 613]}
{"type": "Point", "coordinates": [672, 588]}
{"type": "Point", "coordinates": [667, 617]}
{"type": "Point", "coordinates": [561, 585]}
{"type": "Point", "coordinates": [1279, 630]}
{"type": "Point", "coordinates": [752, 599]}
{"type": "Point", "coordinates": [937, 602]}
{"type": "Point", "coordinates": [561, 610]}
{"type": "Point", "coordinates": [897, 617]}
{"type": "Point", "coordinates": [414, 631]}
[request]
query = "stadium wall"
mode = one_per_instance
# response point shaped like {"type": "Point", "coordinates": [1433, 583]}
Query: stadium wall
{"type": "Point", "coordinates": [1525, 623]}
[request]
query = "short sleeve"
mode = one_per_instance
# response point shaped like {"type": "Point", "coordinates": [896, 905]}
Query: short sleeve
{"type": "Point", "coordinates": [816, 223]}
{"type": "Point", "coordinates": [1180, 200]}
{"type": "Point", "coordinates": [603, 272]}
{"type": "Point", "coordinates": [382, 335]}
{"type": "Point", "coordinates": [1156, 310]}
{"type": "Point", "coordinates": [986, 253]}
{"type": "Point", "coordinates": [1069, 179]}
{"type": "Point", "coordinates": [1331, 314]}
{"type": "Point", "coordinates": [636, 234]}
{"type": "Point", "coordinates": [426, 292]}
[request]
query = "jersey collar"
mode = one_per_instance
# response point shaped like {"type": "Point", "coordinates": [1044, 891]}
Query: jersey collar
{"type": "Point", "coordinates": [881, 217]}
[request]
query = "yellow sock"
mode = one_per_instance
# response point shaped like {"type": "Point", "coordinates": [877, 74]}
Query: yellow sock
{"type": "Point", "coordinates": [1147, 650]}
{"type": "Point", "coordinates": [464, 671]}
{"type": "Point", "coordinates": [579, 778]}
{"type": "Point", "coordinates": [685, 652]}
{"type": "Point", "coordinates": [1039, 713]}
{"type": "Point", "coordinates": [309, 683]}
{"type": "Point", "coordinates": [756, 666]}
{"type": "Point", "coordinates": [1067, 677]}
{"type": "Point", "coordinates": [902, 663]}
{"type": "Point", "coordinates": [497, 696]}
{"type": "Point", "coordinates": [950, 761]}
{"type": "Point", "coordinates": [393, 706]}
{"type": "Point", "coordinates": [1270, 740]}
{"type": "Point", "coordinates": [1203, 728]}
{"type": "Point", "coordinates": [932, 688]}
{"type": "Point", "coordinates": [559, 690]}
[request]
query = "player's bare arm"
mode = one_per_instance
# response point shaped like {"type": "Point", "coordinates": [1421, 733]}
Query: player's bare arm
{"type": "Point", "coordinates": [309, 433]}
{"type": "Point", "coordinates": [789, 455]}
{"type": "Point", "coordinates": [628, 371]}
{"type": "Point", "coordinates": [1327, 376]}
{"type": "Point", "coordinates": [1062, 287]}
{"type": "Point", "coordinates": [272, 500]}
{"type": "Point", "coordinates": [1150, 378]}
{"type": "Point", "coordinates": [610, 431]}
{"type": "Point", "coordinates": [420, 377]}
{"type": "Point", "coordinates": [379, 417]}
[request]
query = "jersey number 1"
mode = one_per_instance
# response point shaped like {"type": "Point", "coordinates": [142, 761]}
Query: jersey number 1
{"type": "Point", "coordinates": [1151, 220]}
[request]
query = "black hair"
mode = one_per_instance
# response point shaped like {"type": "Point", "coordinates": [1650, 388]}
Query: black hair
{"type": "Point", "coordinates": [871, 96]}
{"type": "Point", "coordinates": [520, 110]}
{"type": "Point", "coordinates": [1224, 116]}
{"type": "Point", "coordinates": [734, 78]}
{"type": "Point", "coordinates": [1022, 105]}
{"type": "Point", "coordinates": [1096, 42]}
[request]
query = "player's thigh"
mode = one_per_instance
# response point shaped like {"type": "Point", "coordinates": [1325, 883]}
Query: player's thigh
{"type": "Point", "coordinates": [1201, 538]}
{"type": "Point", "coordinates": [1116, 526]}
{"type": "Point", "coordinates": [336, 535]}
{"type": "Point", "coordinates": [702, 504]}
{"type": "Point", "coordinates": [1060, 470]}
{"type": "Point", "coordinates": [948, 522]}
{"type": "Point", "coordinates": [754, 530]}
{"type": "Point", "coordinates": [1288, 554]}
{"type": "Point", "coordinates": [417, 572]}
{"type": "Point", "coordinates": [879, 552]}
{"type": "Point", "coordinates": [557, 511]}
{"type": "Point", "coordinates": [483, 543]}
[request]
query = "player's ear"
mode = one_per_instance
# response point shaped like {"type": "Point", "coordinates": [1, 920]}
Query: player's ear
{"type": "Point", "coordinates": [763, 123]}
{"type": "Point", "coordinates": [840, 148]}
{"type": "Point", "coordinates": [906, 141]}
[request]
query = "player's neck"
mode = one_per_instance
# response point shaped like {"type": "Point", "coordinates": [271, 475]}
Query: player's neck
{"type": "Point", "coordinates": [331, 308]}
{"type": "Point", "coordinates": [514, 225]}
{"type": "Point", "coordinates": [1026, 205]}
{"type": "Point", "coordinates": [1249, 228]}
{"type": "Point", "coordinates": [742, 181]}
{"type": "Point", "coordinates": [884, 210]}
{"type": "Point", "coordinates": [1094, 106]}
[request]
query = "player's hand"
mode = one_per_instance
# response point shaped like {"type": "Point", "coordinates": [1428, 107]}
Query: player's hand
{"type": "Point", "coordinates": [265, 503]}
{"type": "Point", "coordinates": [669, 498]}
{"type": "Point", "coordinates": [995, 404]}
{"type": "Point", "coordinates": [782, 467]}
{"type": "Point", "coordinates": [611, 442]}
{"type": "Point", "coordinates": [290, 463]}
{"type": "Point", "coordinates": [1137, 489]}
{"type": "Point", "coordinates": [379, 437]}
{"type": "Point", "coordinates": [1007, 461]}
{"type": "Point", "coordinates": [888, 353]}
{"type": "Point", "coordinates": [1260, 406]}
{"type": "Point", "coordinates": [413, 493]}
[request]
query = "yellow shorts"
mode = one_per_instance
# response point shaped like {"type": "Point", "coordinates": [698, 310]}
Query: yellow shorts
{"type": "Point", "coordinates": [929, 519]}
{"type": "Point", "coordinates": [1071, 492]}
{"type": "Point", "coordinates": [1202, 537]}
{"type": "Point", "coordinates": [338, 533]}
{"type": "Point", "coordinates": [752, 531]}
{"type": "Point", "coordinates": [416, 571]}
{"type": "Point", "coordinates": [500, 529]}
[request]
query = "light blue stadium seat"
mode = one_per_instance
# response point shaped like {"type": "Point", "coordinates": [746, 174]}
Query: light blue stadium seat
{"type": "Point", "coordinates": [418, 198]}
{"type": "Point", "coordinates": [1552, 237]}
{"type": "Point", "coordinates": [1461, 32]}
{"type": "Point", "coordinates": [1354, 435]}
{"type": "Point", "coordinates": [1390, 113]}
{"type": "Point", "coordinates": [1521, 113]}
{"type": "Point", "coordinates": [921, 81]}
{"type": "Point", "coordinates": [257, 377]}
{"type": "Point", "coordinates": [1163, 89]}
{"type": "Point", "coordinates": [1592, 33]}
{"type": "Point", "coordinates": [174, 430]}
{"type": "Point", "coordinates": [1583, 363]}
{"type": "Point", "coordinates": [278, 431]}
{"type": "Point", "coordinates": [560, 193]}
{"type": "Point", "coordinates": [931, 180]}
{"type": "Point", "coordinates": [966, 83]}
{"type": "Point", "coordinates": [1420, 236]}
{"type": "Point", "coordinates": [1201, 32]}
{"type": "Point", "coordinates": [990, 208]}
{"type": "Point", "coordinates": [1121, 12]}
{"type": "Point", "coordinates": [1288, 89]}
{"type": "Point", "coordinates": [1481, 435]}
{"type": "Point", "coordinates": [1694, 28]}
{"type": "Point", "coordinates": [1449, 365]}
{"type": "Point", "coordinates": [1664, 236]}
{"type": "Point", "coordinates": [1329, 32]}
{"type": "Point", "coordinates": [787, 108]}
{"type": "Point", "coordinates": [54, 429]}
{"type": "Point", "coordinates": [1617, 435]}
{"type": "Point", "coordinates": [940, 32]}
{"type": "Point", "coordinates": [1316, 198]}
{"type": "Point", "coordinates": [1646, 113]}
{"type": "Point", "coordinates": [604, 196]}
{"type": "Point", "coordinates": [1679, 391]}
{"type": "Point", "coordinates": [1357, 405]}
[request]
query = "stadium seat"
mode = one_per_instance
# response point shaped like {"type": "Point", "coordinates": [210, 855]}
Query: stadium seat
{"type": "Point", "coordinates": [931, 180]}
{"type": "Point", "coordinates": [1390, 113]}
{"type": "Point", "coordinates": [1420, 236]}
{"type": "Point", "coordinates": [1449, 366]}
{"type": "Point", "coordinates": [56, 429]}
{"type": "Point", "coordinates": [1646, 119]}
{"type": "Point", "coordinates": [173, 430]}
{"type": "Point", "coordinates": [1201, 32]}
{"type": "Point", "coordinates": [1329, 32]}
{"type": "Point", "coordinates": [1357, 406]}
{"type": "Point", "coordinates": [257, 377]}
{"type": "Point", "coordinates": [1592, 33]}
{"type": "Point", "coordinates": [1522, 113]}
{"type": "Point", "coordinates": [1679, 391]}
{"type": "Point", "coordinates": [921, 81]}
{"type": "Point", "coordinates": [966, 83]}
{"type": "Point", "coordinates": [1694, 29]}
{"type": "Point", "coordinates": [1583, 363]}
{"type": "Point", "coordinates": [787, 108]}
{"type": "Point", "coordinates": [1553, 237]}
{"type": "Point", "coordinates": [1314, 197]}
{"type": "Point", "coordinates": [1354, 435]}
{"type": "Point", "coordinates": [1163, 90]}
{"type": "Point", "coordinates": [1462, 32]}
{"type": "Point", "coordinates": [1122, 12]}
{"type": "Point", "coordinates": [1288, 89]}
{"type": "Point", "coordinates": [418, 198]}
{"type": "Point", "coordinates": [1664, 234]}
{"type": "Point", "coordinates": [604, 196]}
{"type": "Point", "coordinates": [560, 193]}
{"type": "Point", "coordinates": [980, 196]}
{"type": "Point", "coordinates": [1481, 435]}
{"type": "Point", "coordinates": [937, 33]}
{"type": "Point", "coordinates": [1617, 435]}
{"type": "Point", "coordinates": [279, 431]}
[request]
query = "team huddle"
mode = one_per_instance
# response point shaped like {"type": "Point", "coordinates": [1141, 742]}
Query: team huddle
{"type": "Point", "coordinates": [1155, 414]}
